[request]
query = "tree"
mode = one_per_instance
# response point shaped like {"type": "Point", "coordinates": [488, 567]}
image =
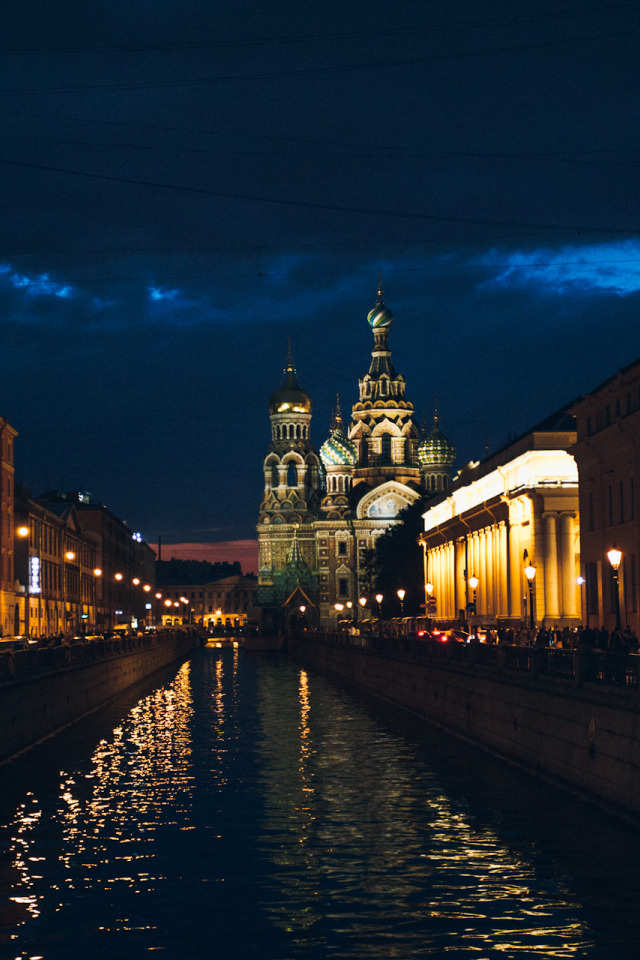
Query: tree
{"type": "Point", "coordinates": [400, 563]}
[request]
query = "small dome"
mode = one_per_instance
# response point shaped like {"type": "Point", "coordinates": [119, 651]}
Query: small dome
{"type": "Point", "coordinates": [290, 397]}
{"type": "Point", "coordinates": [436, 449]}
{"type": "Point", "coordinates": [338, 451]}
{"type": "Point", "coordinates": [380, 316]}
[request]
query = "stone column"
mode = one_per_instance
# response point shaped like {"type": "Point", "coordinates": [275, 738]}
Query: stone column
{"type": "Point", "coordinates": [568, 565]}
{"type": "Point", "coordinates": [550, 555]}
{"type": "Point", "coordinates": [515, 572]}
{"type": "Point", "coordinates": [502, 571]}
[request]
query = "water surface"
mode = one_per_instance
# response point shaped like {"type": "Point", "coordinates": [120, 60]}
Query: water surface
{"type": "Point", "coordinates": [245, 807]}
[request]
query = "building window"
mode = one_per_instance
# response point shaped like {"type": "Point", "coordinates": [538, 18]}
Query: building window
{"type": "Point", "coordinates": [342, 548]}
{"type": "Point", "coordinates": [385, 454]}
{"type": "Point", "coordinates": [292, 475]}
{"type": "Point", "coordinates": [343, 587]}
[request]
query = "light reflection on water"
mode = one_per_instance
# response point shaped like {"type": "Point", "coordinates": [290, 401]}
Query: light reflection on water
{"type": "Point", "coordinates": [247, 808]}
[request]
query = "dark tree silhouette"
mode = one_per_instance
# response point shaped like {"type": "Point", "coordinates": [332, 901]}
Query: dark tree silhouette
{"type": "Point", "coordinates": [400, 564]}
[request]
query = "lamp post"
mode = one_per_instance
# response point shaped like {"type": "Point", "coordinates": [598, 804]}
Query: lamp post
{"type": "Point", "coordinates": [401, 595]}
{"type": "Point", "coordinates": [530, 572]}
{"type": "Point", "coordinates": [429, 590]}
{"type": "Point", "coordinates": [363, 602]}
{"type": "Point", "coordinates": [473, 583]}
{"type": "Point", "coordinates": [339, 607]}
{"type": "Point", "coordinates": [379, 599]}
{"type": "Point", "coordinates": [581, 582]}
{"type": "Point", "coordinates": [614, 557]}
{"type": "Point", "coordinates": [26, 532]}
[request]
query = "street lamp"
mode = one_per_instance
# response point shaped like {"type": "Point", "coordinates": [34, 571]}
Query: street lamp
{"type": "Point", "coordinates": [363, 602]}
{"type": "Point", "coordinates": [615, 556]}
{"type": "Point", "coordinates": [339, 607]}
{"type": "Point", "coordinates": [401, 594]}
{"type": "Point", "coordinates": [473, 583]}
{"type": "Point", "coordinates": [530, 572]}
{"type": "Point", "coordinates": [429, 590]}
{"type": "Point", "coordinates": [379, 599]}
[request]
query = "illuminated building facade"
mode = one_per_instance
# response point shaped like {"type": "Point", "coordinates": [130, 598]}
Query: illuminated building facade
{"type": "Point", "coordinates": [55, 566]}
{"type": "Point", "coordinates": [8, 609]}
{"type": "Point", "coordinates": [608, 457]}
{"type": "Point", "coordinates": [125, 584]}
{"type": "Point", "coordinates": [228, 602]}
{"type": "Point", "coordinates": [516, 510]}
{"type": "Point", "coordinates": [321, 514]}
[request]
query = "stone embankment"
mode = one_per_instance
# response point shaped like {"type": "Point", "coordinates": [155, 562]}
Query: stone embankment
{"type": "Point", "coordinates": [44, 689]}
{"type": "Point", "coordinates": [572, 716]}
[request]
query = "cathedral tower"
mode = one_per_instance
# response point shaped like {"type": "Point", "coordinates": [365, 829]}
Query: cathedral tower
{"type": "Point", "coordinates": [291, 496]}
{"type": "Point", "coordinates": [383, 427]}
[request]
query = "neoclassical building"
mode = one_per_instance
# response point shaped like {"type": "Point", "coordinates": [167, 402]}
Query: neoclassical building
{"type": "Point", "coordinates": [517, 509]}
{"type": "Point", "coordinates": [608, 457]}
{"type": "Point", "coordinates": [321, 513]}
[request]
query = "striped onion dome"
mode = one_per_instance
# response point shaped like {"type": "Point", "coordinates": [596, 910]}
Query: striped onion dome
{"type": "Point", "coordinates": [380, 316]}
{"type": "Point", "coordinates": [436, 449]}
{"type": "Point", "coordinates": [338, 451]}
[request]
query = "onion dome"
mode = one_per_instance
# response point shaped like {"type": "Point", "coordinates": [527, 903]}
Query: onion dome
{"type": "Point", "coordinates": [290, 397]}
{"type": "Point", "coordinates": [380, 317]}
{"type": "Point", "coordinates": [435, 449]}
{"type": "Point", "coordinates": [338, 450]}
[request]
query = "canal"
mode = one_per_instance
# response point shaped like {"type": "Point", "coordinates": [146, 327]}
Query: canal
{"type": "Point", "coordinates": [244, 807]}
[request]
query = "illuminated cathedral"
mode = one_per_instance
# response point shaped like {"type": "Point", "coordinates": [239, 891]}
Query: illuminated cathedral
{"type": "Point", "coordinates": [322, 512]}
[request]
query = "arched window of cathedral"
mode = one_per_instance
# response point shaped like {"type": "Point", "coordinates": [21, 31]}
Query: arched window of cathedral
{"type": "Point", "coordinates": [292, 475]}
{"type": "Point", "coordinates": [298, 432]}
{"type": "Point", "coordinates": [275, 479]}
{"type": "Point", "coordinates": [385, 453]}
{"type": "Point", "coordinates": [363, 457]}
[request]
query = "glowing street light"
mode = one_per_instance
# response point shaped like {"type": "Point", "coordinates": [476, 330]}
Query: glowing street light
{"type": "Point", "coordinates": [473, 583]}
{"type": "Point", "coordinates": [615, 556]}
{"type": "Point", "coordinates": [379, 599]}
{"type": "Point", "coordinates": [530, 572]}
{"type": "Point", "coordinates": [401, 595]}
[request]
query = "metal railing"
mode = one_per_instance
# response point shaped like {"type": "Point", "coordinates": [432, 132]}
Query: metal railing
{"type": "Point", "coordinates": [21, 664]}
{"type": "Point", "coordinates": [579, 666]}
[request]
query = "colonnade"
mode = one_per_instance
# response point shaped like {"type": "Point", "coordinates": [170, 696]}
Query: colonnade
{"type": "Point", "coordinates": [497, 555]}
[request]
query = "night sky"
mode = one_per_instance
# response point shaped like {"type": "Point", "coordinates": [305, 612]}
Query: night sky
{"type": "Point", "coordinates": [187, 185]}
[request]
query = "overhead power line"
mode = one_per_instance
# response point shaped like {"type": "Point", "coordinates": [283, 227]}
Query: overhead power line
{"type": "Point", "coordinates": [325, 207]}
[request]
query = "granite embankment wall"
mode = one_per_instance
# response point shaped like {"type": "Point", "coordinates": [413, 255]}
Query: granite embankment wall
{"type": "Point", "coordinates": [574, 718]}
{"type": "Point", "coordinates": [43, 690]}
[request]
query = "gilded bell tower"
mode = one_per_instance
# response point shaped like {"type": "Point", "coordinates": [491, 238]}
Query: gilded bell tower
{"type": "Point", "coordinates": [291, 495]}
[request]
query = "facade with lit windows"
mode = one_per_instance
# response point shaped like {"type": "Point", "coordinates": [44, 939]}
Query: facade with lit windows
{"type": "Point", "coordinates": [224, 604]}
{"type": "Point", "coordinates": [322, 512]}
{"type": "Point", "coordinates": [516, 511]}
{"type": "Point", "coordinates": [8, 603]}
{"type": "Point", "coordinates": [111, 564]}
{"type": "Point", "coordinates": [607, 452]}
{"type": "Point", "coordinates": [55, 571]}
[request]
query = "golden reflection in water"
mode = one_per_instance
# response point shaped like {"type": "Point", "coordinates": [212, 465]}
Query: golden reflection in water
{"type": "Point", "coordinates": [23, 900]}
{"type": "Point", "coordinates": [362, 846]}
{"type": "Point", "coordinates": [134, 776]}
